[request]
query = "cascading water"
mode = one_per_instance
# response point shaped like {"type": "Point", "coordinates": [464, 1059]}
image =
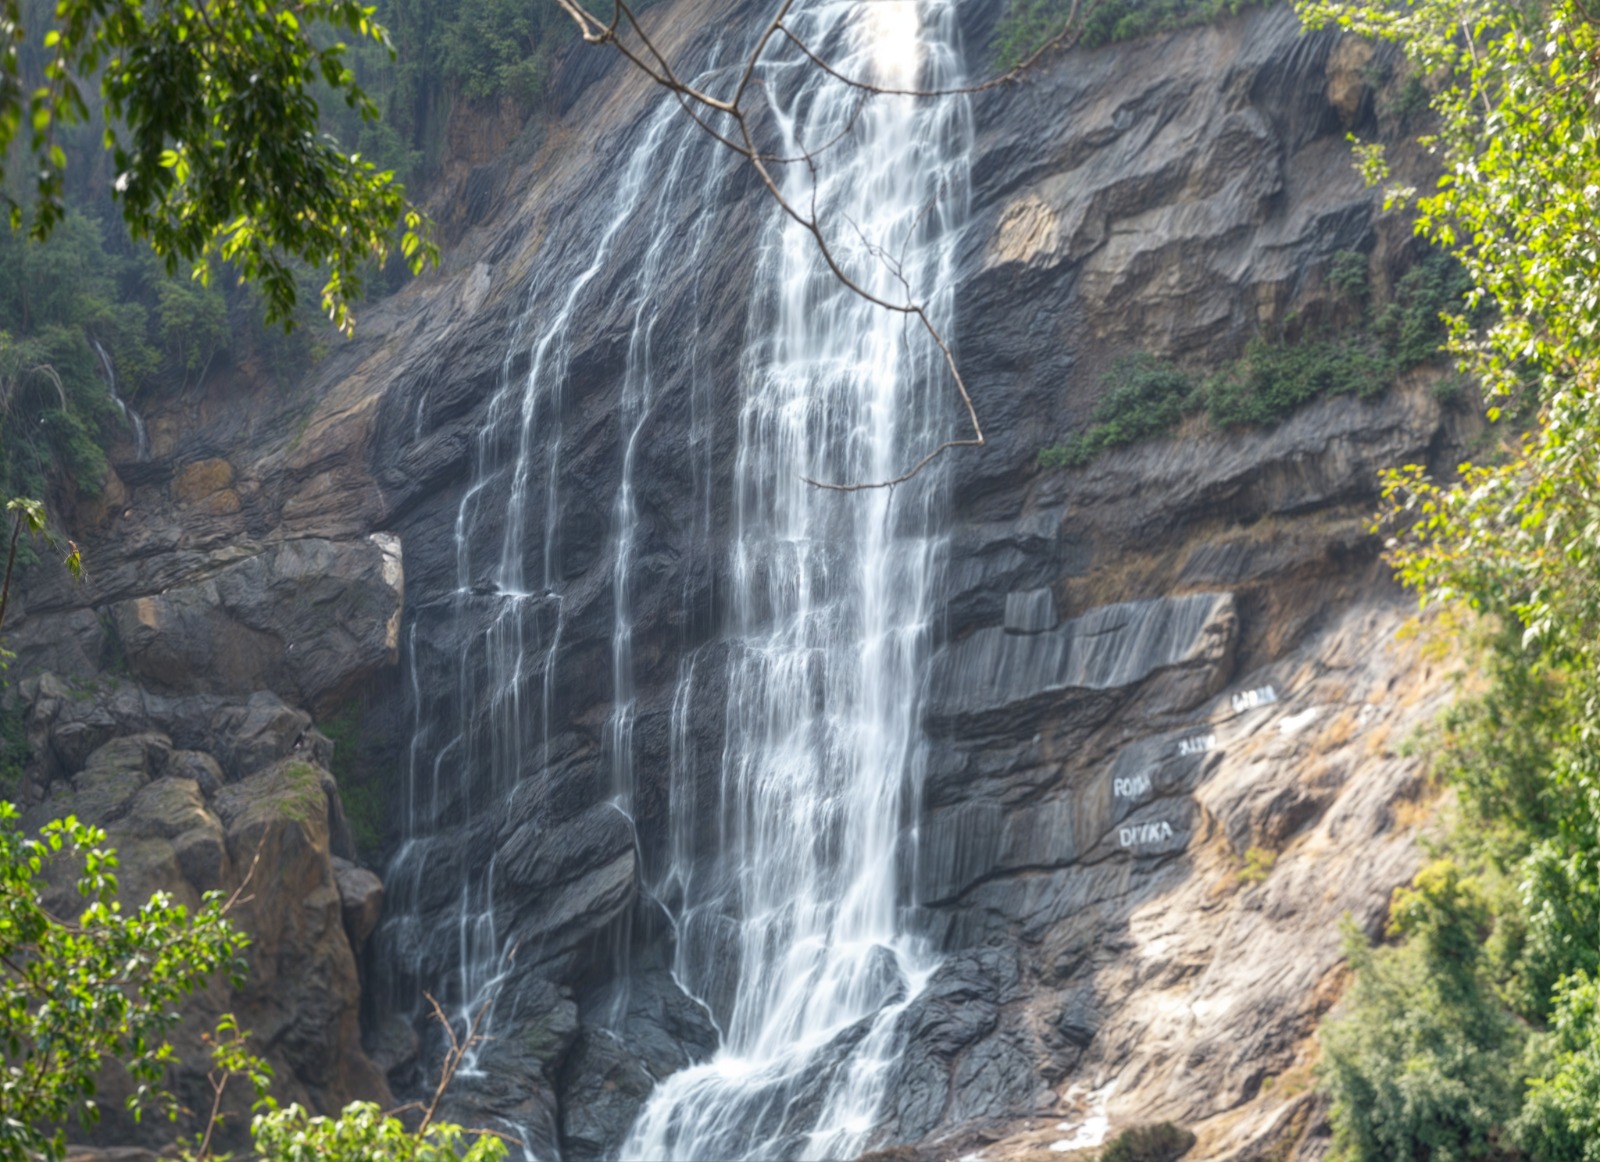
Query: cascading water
{"type": "Point", "coordinates": [790, 916]}
{"type": "Point", "coordinates": [832, 600]}
{"type": "Point", "coordinates": [472, 744]}
{"type": "Point", "coordinates": [141, 438]}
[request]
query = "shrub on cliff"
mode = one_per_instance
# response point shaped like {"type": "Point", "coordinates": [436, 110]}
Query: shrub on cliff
{"type": "Point", "coordinates": [1425, 1057]}
{"type": "Point", "coordinates": [1162, 1142]}
{"type": "Point", "coordinates": [1028, 24]}
{"type": "Point", "coordinates": [79, 993]}
{"type": "Point", "coordinates": [1146, 398]}
{"type": "Point", "coordinates": [1516, 540]}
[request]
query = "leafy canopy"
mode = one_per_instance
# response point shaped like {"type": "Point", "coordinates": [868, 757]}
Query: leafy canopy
{"type": "Point", "coordinates": [79, 993]}
{"type": "Point", "coordinates": [214, 133]}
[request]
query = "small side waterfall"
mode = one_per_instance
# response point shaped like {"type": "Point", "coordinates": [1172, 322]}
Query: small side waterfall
{"type": "Point", "coordinates": [470, 746]}
{"type": "Point", "coordinates": [135, 422]}
{"type": "Point", "coordinates": [832, 601]}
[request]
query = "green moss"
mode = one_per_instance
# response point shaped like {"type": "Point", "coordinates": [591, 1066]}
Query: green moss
{"type": "Point", "coordinates": [1030, 24]}
{"type": "Point", "coordinates": [304, 797]}
{"type": "Point", "coordinates": [1146, 397]}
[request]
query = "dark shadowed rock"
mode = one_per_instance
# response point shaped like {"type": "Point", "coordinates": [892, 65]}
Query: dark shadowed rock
{"type": "Point", "coordinates": [360, 901]}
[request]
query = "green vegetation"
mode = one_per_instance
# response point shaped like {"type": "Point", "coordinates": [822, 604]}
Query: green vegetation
{"type": "Point", "coordinates": [363, 1133]}
{"type": "Point", "coordinates": [1273, 378]}
{"type": "Point", "coordinates": [1162, 1142]}
{"type": "Point", "coordinates": [1477, 1034]}
{"type": "Point", "coordinates": [1029, 24]}
{"type": "Point", "coordinates": [66, 300]}
{"type": "Point", "coordinates": [361, 790]}
{"type": "Point", "coordinates": [76, 996]}
{"type": "Point", "coordinates": [210, 115]}
{"type": "Point", "coordinates": [487, 49]}
{"type": "Point", "coordinates": [1147, 397]}
{"type": "Point", "coordinates": [1258, 864]}
{"type": "Point", "coordinates": [1427, 1056]}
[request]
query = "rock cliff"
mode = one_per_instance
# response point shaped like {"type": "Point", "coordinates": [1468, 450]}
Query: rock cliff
{"type": "Point", "coordinates": [1167, 708]}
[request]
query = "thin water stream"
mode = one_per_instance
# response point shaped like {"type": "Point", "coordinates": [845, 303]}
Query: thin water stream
{"type": "Point", "coordinates": [135, 422]}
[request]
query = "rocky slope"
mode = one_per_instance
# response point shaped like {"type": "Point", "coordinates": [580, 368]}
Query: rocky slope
{"type": "Point", "coordinates": [1167, 712]}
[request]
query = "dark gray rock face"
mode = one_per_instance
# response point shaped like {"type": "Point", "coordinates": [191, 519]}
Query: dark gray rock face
{"type": "Point", "coordinates": [996, 671]}
{"type": "Point", "coordinates": [307, 617]}
{"type": "Point", "coordinates": [1031, 611]}
{"type": "Point", "coordinates": [1144, 670]}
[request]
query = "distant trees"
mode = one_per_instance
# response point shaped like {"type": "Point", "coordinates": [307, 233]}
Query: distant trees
{"type": "Point", "coordinates": [214, 133]}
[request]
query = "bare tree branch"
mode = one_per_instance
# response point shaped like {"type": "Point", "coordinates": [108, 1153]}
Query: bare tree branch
{"type": "Point", "coordinates": [700, 105]}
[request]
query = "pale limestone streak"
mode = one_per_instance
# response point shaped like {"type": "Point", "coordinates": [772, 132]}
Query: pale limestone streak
{"type": "Point", "coordinates": [1028, 229]}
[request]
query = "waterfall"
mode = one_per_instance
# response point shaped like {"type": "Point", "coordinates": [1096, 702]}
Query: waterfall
{"type": "Point", "coordinates": [141, 439]}
{"type": "Point", "coordinates": [832, 599]}
{"type": "Point", "coordinates": [473, 744]}
{"type": "Point", "coordinates": [790, 915]}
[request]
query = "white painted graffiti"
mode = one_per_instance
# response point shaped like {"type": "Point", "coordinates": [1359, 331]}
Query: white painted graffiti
{"type": "Point", "coordinates": [1143, 834]}
{"type": "Point", "coordinates": [1199, 744]}
{"type": "Point", "coordinates": [1131, 788]}
{"type": "Point", "coordinates": [1250, 699]}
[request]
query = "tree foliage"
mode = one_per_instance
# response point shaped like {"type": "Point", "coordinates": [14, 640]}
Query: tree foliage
{"type": "Point", "coordinates": [72, 306]}
{"type": "Point", "coordinates": [1516, 539]}
{"type": "Point", "coordinates": [364, 1133]}
{"type": "Point", "coordinates": [102, 990]}
{"type": "Point", "coordinates": [214, 130]}
{"type": "Point", "coordinates": [78, 993]}
{"type": "Point", "coordinates": [1425, 1064]}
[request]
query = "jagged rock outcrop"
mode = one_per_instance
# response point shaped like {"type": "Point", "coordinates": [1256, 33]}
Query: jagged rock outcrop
{"type": "Point", "coordinates": [261, 821]}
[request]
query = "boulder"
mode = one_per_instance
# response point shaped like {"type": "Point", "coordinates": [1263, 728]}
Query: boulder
{"type": "Point", "coordinates": [309, 619]}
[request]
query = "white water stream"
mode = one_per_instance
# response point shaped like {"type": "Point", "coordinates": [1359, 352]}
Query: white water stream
{"type": "Point", "coordinates": [141, 438]}
{"type": "Point", "coordinates": [832, 601]}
